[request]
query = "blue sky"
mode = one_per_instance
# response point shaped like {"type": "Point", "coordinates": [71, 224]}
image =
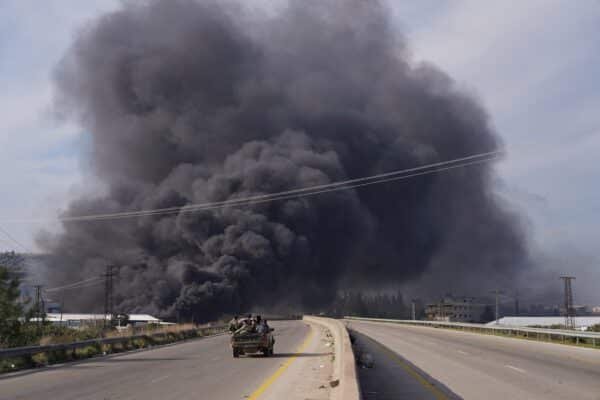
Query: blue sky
{"type": "Point", "coordinates": [534, 64]}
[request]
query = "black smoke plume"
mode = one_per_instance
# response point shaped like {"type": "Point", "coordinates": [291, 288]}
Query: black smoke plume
{"type": "Point", "coordinates": [199, 101]}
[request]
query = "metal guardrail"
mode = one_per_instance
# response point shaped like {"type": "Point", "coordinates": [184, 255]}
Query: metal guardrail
{"type": "Point", "coordinates": [533, 333]}
{"type": "Point", "coordinates": [32, 350]}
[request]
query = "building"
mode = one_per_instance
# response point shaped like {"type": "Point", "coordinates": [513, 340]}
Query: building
{"type": "Point", "coordinates": [81, 320]}
{"type": "Point", "coordinates": [459, 309]}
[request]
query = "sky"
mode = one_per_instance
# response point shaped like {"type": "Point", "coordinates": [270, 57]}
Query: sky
{"type": "Point", "coordinates": [533, 64]}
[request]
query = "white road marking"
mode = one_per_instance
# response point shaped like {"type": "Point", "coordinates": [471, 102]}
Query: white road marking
{"type": "Point", "coordinates": [515, 368]}
{"type": "Point", "coordinates": [463, 352]}
{"type": "Point", "coordinates": [160, 378]}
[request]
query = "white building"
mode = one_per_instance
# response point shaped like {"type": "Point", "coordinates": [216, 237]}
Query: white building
{"type": "Point", "coordinates": [78, 320]}
{"type": "Point", "coordinates": [582, 322]}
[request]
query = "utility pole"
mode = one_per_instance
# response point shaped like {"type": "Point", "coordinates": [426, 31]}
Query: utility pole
{"type": "Point", "coordinates": [569, 309]}
{"type": "Point", "coordinates": [62, 306]}
{"type": "Point", "coordinates": [497, 293]}
{"type": "Point", "coordinates": [108, 294]}
{"type": "Point", "coordinates": [37, 307]}
{"type": "Point", "coordinates": [414, 314]}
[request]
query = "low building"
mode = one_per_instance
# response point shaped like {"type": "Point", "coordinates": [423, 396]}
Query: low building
{"type": "Point", "coordinates": [582, 322]}
{"type": "Point", "coordinates": [80, 320]}
{"type": "Point", "coordinates": [455, 309]}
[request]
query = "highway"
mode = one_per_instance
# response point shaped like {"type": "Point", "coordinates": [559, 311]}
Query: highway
{"type": "Point", "coordinates": [198, 369]}
{"type": "Point", "coordinates": [476, 366]}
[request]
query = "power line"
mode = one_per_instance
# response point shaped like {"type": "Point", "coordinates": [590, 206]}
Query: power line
{"type": "Point", "coordinates": [8, 235]}
{"type": "Point", "coordinates": [83, 286]}
{"type": "Point", "coordinates": [5, 241]}
{"type": "Point", "coordinates": [301, 192]}
{"type": "Point", "coordinates": [76, 285]}
{"type": "Point", "coordinates": [290, 194]}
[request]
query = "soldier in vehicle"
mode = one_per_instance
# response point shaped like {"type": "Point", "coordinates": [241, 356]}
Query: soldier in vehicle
{"type": "Point", "coordinates": [234, 324]}
{"type": "Point", "coordinates": [246, 326]}
{"type": "Point", "coordinates": [260, 325]}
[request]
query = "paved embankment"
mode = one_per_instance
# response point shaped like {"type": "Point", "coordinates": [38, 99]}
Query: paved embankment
{"type": "Point", "coordinates": [198, 369]}
{"type": "Point", "coordinates": [475, 366]}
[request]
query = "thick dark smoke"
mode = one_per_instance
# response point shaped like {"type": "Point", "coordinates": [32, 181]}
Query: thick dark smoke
{"type": "Point", "coordinates": [197, 101]}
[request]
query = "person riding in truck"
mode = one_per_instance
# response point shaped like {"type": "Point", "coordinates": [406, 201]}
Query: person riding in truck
{"type": "Point", "coordinates": [234, 324]}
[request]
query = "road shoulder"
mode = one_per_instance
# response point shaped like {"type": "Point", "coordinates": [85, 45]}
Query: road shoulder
{"type": "Point", "coordinates": [309, 372]}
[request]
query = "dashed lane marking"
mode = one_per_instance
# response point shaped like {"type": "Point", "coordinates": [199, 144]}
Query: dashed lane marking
{"type": "Point", "coordinates": [515, 368]}
{"type": "Point", "coordinates": [160, 378]}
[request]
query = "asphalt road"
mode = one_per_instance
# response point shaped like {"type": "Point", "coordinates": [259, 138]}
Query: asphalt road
{"type": "Point", "coordinates": [384, 375]}
{"type": "Point", "coordinates": [475, 366]}
{"type": "Point", "coordinates": [199, 369]}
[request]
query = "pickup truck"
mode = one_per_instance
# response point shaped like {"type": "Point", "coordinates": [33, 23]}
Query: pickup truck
{"type": "Point", "coordinates": [253, 343]}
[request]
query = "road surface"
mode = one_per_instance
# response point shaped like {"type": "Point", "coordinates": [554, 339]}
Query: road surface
{"type": "Point", "coordinates": [476, 366]}
{"type": "Point", "coordinates": [198, 369]}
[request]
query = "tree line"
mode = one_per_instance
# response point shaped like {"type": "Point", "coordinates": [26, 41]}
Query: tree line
{"type": "Point", "coordinates": [379, 305]}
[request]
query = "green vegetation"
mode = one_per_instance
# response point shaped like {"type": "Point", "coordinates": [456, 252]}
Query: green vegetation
{"type": "Point", "coordinates": [16, 330]}
{"type": "Point", "coordinates": [10, 309]}
{"type": "Point", "coordinates": [594, 328]}
{"type": "Point", "coordinates": [554, 326]}
{"type": "Point", "coordinates": [152, 337]}
{"type": "Point", "coordinates": [375, 306]}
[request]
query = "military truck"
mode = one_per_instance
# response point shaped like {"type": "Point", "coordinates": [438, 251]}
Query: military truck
{"type": "Point", "coordinates": [252, 343]}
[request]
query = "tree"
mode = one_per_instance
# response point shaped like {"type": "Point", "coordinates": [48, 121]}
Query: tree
{"type": "Point", "coordinates": [10, 308]}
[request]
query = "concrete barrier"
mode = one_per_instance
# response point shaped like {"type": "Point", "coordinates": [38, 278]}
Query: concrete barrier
{"type": "Point", "coordinates": [344, 366]}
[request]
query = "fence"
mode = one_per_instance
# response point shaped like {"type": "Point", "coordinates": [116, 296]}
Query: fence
{"type": "Point", "coordinates": [566, 336]}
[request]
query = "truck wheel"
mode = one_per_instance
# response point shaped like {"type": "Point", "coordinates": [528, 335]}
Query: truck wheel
{"type": "Point", "coordinates": [236, 353]}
